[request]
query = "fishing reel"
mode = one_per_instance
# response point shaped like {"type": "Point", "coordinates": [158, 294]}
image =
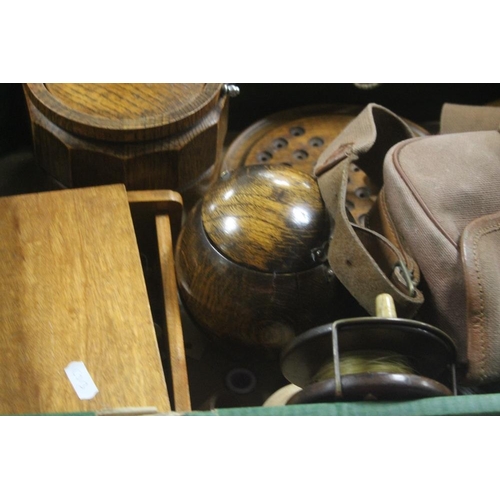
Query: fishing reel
{"type": "Point", "coordinates": [371, 358]}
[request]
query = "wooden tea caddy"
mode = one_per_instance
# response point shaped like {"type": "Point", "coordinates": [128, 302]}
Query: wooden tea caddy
{"type": "Point", "coordinates": [250, 261]}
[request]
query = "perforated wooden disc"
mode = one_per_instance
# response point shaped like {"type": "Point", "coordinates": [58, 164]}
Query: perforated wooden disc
{"type": "Point", "coordinates": [297, 137]}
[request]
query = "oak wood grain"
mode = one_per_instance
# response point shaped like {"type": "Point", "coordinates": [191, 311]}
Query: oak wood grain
{"type": "Point", "coordinates": [146, 205]}
{"type": "Point", "coordinates": [268, 218]}
{"type": "Point", "coordinates": [247, 308]}
{"type": "Point", "coordinates": [160, 213]}
{"type": "Point", "coordinates": [297, 137]}
{"type": "Point", "coordinates": [123, 111]}
{"type": "Point", "coordinates": [72, 290]}
{"type": "Point", "coordinates": [182, 400]}
{"type": "Point", "coordinates": [146, 136]}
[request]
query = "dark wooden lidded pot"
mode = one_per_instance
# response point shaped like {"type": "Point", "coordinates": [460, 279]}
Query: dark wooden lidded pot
{"type": "Point", "coordinates": [146, 136]}
{"type": "Point", "coordinates": [250, 259]}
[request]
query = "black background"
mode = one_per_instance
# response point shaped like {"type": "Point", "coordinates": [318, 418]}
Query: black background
{"type": "Point", "coordinates": [419, 102]}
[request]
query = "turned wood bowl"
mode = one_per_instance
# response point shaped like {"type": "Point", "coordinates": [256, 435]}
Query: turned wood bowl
{"type": "Point", "coordinates": [250, 260]}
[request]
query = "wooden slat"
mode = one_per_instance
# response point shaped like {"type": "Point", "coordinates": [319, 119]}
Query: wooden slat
{"type": "Point", "coordinates": [72, 289]}
{"type": "Point", "coordinates": [180, 381]}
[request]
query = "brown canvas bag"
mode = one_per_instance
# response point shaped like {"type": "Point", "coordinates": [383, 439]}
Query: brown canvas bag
{"type": "Point", "coordinates": [437, 216]}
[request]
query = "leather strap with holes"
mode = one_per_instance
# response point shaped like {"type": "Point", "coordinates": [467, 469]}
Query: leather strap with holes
{"type": "Point", "coordinates": [365, 260]}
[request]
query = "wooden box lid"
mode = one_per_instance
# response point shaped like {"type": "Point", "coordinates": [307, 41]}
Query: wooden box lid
{"type": "Point", "coordinates": [72, 289]}
{"type": "Point", "coordinates": [124, 111]}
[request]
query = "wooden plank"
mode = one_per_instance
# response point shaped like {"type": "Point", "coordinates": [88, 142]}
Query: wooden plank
{"type": "Point", "coordinates": [145, 205]}
{"type": "Point", "coordinates": [72, 289]}
{"type": "Point", "coordinates": [164, 209]}
{"type": "Point", "coordinates": [180, 381]}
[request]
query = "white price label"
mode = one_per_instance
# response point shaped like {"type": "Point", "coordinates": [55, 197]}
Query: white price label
{"type": "Point", "coordinates": [81, 380]}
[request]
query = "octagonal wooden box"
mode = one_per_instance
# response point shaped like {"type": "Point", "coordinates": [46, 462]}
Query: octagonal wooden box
{"type": "Point", "coordinates": [145, 136]}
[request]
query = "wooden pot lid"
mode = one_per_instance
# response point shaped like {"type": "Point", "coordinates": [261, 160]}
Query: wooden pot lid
{"type": "Point", "coordinates": [296, 136]}
{"type": "Point", "coordinates": [124, 111]}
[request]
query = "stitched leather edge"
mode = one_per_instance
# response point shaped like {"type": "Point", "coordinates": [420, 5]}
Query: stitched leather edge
{"type": "Point", "coordinates": [474, 287]}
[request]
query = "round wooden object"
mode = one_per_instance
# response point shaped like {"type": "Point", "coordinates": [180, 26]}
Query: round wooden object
{"type": "Point", "coordinates": [250, 272]}
{"type": "Point", "coordinates": [297, 137]}
{"type": "Point", "coordinates": [146, 136]}
{"type": "Point", "coordinates": [267, 218]}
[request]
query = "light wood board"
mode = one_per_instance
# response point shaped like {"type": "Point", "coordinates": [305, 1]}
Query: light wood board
{"type": "Point", "coordinates": [72, 289]}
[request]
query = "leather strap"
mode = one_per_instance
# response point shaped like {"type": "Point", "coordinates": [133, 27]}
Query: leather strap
{"type": "Point", "coordinates": [365, 261]}
{"type": "Point", "coordinates": [480, 245]}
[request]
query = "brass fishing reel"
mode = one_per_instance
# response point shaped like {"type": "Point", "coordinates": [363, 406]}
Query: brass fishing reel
{"type": "Point", "coordinates": [407, 359]}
